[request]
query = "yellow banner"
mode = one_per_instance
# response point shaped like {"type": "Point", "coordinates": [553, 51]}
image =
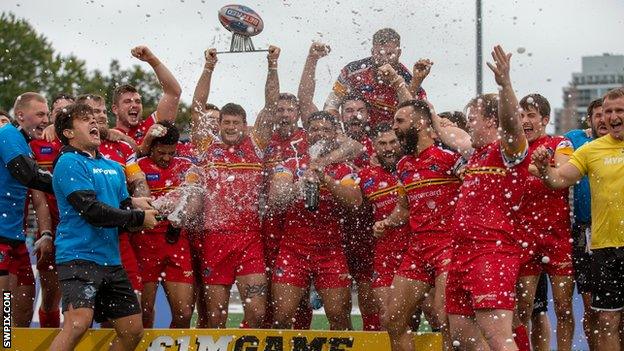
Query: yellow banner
{"type": "Point", "coordinates": [25, 339]}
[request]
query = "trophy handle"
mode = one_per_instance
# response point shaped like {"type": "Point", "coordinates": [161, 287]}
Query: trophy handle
{"type": "Point", "coordinates": [241, 43]}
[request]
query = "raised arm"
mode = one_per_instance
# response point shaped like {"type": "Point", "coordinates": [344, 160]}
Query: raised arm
{"type": "Point", "coordinates": [263, 128]}
{"type": "Point", "coordinates": [392, 78]}
{"type": "Point", "coordinates": [513, 140]}
{"type": "Point", "coordinates": [200, 125]}
{"type": "Point", "coordinates": [420, 71]}
{"type": "Point", "coordinates": [450, 135]}
{"type": "Point", "coordinates": [168, 104]}
{"type": "Point", "coordinates": [555, 177]}
{"type": "Point", "coordinates": [307, 84]}
{"type": "Point", "coordinates": [347, 150]}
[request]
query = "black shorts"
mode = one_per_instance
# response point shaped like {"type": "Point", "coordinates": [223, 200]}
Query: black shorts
{"type": "Point", "coordinates": [607, 279]}
{"type": "Point", "coordinates": [540, 303]}
{"type": "Point", "coordinates": [105, 289]}
{"type": "Point", "coordinates": [581, 260]}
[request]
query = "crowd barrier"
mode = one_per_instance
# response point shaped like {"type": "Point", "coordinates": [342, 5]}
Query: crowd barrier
{"type": "Point", "coordinates": [35, 339]}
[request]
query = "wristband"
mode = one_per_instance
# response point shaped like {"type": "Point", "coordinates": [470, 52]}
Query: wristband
{"type": "Point", "coordinates": [47, 233]}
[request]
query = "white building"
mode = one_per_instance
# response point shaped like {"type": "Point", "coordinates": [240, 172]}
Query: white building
{"type": "Point", "coordinates": [599, 74]}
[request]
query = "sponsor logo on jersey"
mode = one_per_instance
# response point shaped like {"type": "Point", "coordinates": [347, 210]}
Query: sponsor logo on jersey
{"type": "Point", "coordinates": [152, 177]}
{"type": "Point", "coordinates": [367, 184]}
{"type": "Point", "coordinates": [104, 171]}
{"type": "Point", "coordinates": [45, 150]}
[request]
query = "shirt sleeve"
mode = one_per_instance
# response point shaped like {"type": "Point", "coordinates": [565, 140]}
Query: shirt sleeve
{"type": "Point", "coordinates": [346, 176]}
{"type": "Point", "coordinates": [564, 147]}
{"type": "Point", "coordinates": [12, 145]}
{"type": "Point", "coordinates": [518, 156]}
{"type": "Point", "coordinates": [579, 158]}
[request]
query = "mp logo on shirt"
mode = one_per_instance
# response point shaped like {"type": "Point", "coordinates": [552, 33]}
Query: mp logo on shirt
{"type": "Point", "coordinates": [613, 160]}
{"type": "Point", "coordinates": [104, 171]}
{"type": "Point", "coordinates": [45, 150]}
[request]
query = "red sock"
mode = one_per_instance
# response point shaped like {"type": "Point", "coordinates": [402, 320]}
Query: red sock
{"type": "Point", "coordinates": [303, 318]}
{"type": "Point", "coordinates": [50, 319]}
{"type": "Point", "coordinates": [522, 338]}
{"type": "Point", "coordinates": [370, 322]}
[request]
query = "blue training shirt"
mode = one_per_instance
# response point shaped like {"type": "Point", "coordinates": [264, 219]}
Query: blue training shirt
{"type": "Point", "coordinates": [582, 197]}
{"type": "Point", "coordinates": [12, 193]}
{"type": "Point", "coordinates": [76, 239]}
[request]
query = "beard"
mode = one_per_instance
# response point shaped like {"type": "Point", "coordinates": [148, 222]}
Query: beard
{"type": "Point", "coordinates": [409, 141]}
{"type": "Point", "coordinates": [388, 163]}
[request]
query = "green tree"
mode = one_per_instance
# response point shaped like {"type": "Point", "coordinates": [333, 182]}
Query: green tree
{"type": "Point", "coordinates": [25, 59]}
{"type": "Point", "coordinates": [29, 63]}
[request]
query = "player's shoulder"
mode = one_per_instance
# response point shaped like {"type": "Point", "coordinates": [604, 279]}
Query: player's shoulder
{"type": "Point", "coordinates": [575, 133]}
{"type": "Point", "coordinates": [124, 147]}
{"type": "Point", "coordinates": [9, 133]}
{"type": "Point", "coordinates": [406, 161]}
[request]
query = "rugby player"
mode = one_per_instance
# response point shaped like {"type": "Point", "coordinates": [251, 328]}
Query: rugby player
{"type": "Point", "coordinates": [204, 122]}
{"type": "Point", "coordinates": [544, 226]}
{"type": "Point", "coordinates": [428, 174]}
{"type": "Point", "coordinates": [46, 212]}
{"type": "Point", "coordinates": [19, 172]}
{"type": "Point", "coordinates": [603, 163]}
{"type": "Point", "coordinates": [128, 108]}
{"type": "Point", "coordinates": [312, 250]}
{"type": "Point", "coordinates": [351, 148]}
{"type": "Point", "coordinates": [581, 219]}
{"type": "Point", "coordinates": [164, 253]}
{"type": "Point", "coordinates": [233, 178]}
{"type": "Point", "coordinates": [480, 293]}
{"type": "Point", "coordinates": [362, 78]}
{"type": "Point", "coordinates": [93, 202]}
{"type": "Point", "coordinates": [383, 191]}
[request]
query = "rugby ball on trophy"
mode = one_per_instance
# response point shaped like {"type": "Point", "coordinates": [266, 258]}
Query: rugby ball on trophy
{"type": "Point", "coordinates": [241, 20]}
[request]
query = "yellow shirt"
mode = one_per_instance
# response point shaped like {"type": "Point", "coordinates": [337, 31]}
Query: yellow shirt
{"type": "Point", "coordinates": [602, 160]}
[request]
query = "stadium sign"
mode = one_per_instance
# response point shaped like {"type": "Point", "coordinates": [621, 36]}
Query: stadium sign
{"type": "Point", "coordinates": [229, 340]}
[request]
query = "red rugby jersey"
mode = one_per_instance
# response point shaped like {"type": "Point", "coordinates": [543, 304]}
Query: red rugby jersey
{"type": "Point", "coordinates": [381, 189]}
{"type": "Point", "coordinates": [163, 180]}
{"type": "Point", "coordinates": [280, 149]}
{"type": "Point", "coordinates": [233, 176]}
{"type": "Point", "coordinates": [139, 131]}
{"type": "Point", "coordinates": [491, 194]}
{"type": "Point", "coordinates": [543, 207]}
{"type": "Point", "coordinates": [432, 188]}
{"type": "Point", "coordinates": [320, 227]}
{"type": "Point", "coordinates": [45, 153]}
{"type": "Point", "coordinates": [365, 156]}
{"type": "Point", "coordinates": [360, 77]}
{"type": "Point", "coordinates": [122, 153]}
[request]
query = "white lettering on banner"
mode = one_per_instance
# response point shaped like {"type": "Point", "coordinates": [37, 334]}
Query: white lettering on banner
{"type": "Point", "coordinates": [206, 343]}
{"type": "Point", "coordinates": [613, 160]}
{"type": "Point", "coordinates": [6, 323]}
{"type": "Point", "coordinates": [253, 343]}
{"type": "Point", "coordinates": [104, 171]}
{"type": "Point", "coordinates": [160, 343]}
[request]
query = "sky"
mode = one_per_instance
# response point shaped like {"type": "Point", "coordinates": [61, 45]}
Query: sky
{"type": "Point", "coordinates": [547, 38]}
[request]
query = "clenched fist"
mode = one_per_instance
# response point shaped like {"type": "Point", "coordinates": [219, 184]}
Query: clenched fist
{"type": "Point", "coordinates": [143, 53]}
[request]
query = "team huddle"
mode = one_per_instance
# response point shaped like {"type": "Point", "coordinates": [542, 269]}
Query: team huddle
{"type": "Point", "coordinates": [457, 216]}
